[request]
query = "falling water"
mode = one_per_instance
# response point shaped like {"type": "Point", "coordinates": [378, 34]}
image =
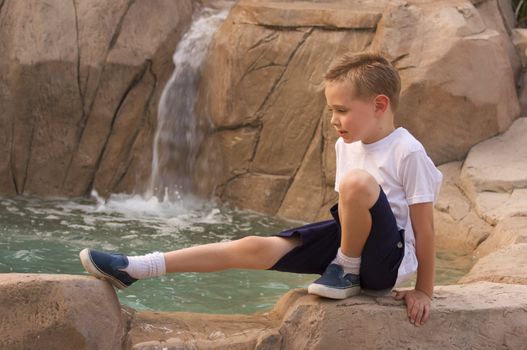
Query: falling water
{"type": "Point", "coordinates": [179, 134]}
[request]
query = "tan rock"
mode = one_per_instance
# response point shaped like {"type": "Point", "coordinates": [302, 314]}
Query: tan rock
{"type": "Point", "coordinates": [262, 193]}
{"type": "Point", "coordinates": [507, 232]}
{"type": "Point", "coordinates": [507, 12]}
{"type": "Point", "coordinates": [277, 74]}
{"type": "Point", "coordinates": [228, 154]}
{"type": "Point", "coordinates": [498, 164]}
{"type": "Point", "coordinates": [58, 312]}
{"type": "Point", "coordinates": [494, 174]}
{"type": "Point", "coordinates": [506, 265]}
{"type": "Point", "coordinates": [306, 193]}
{"type": "Point", "coordinates": [364, 15]}
{"type": "Point", "coordinates": [301, 321]}
{"type": "Point", "coordinates": [263, 67]}
{"type": "Point", "coordinates": [243, 66]}
{"type": "Point", "coordinates": [70, 72]}
{"type": "Point", "coordinates": [138, 65]}
{"type": "Point", "coordinates": [445, 102]}
{"type": "Point", "coordinates": [295, 112]}
{"type": "Point", "coordinates": [457, 226]}
{"type": "Point", "coordinates": [179, 330]}
{"type": "Point", "coordinates": [519, 39]}
{"type": "Point", "coordinates": [499, 16]}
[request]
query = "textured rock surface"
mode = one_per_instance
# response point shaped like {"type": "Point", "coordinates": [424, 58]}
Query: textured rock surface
{"type": "Point", "coordinates": [482, 207]}
{"type": "Point", "coordinates": [300, 321]}
{"type": "Point", "coordinates": [508, 232]}
{"type": "Point", "coordinates": [445, 101]}
{"type": "Point", "coordinates": [79, 84]}
{"type": "Point", "coordinates": [78, 312]}
{"type": "Point", "coordinates": [264, 73]}
{"type": "Point", "coordinates": [59, 312]}
{"type": "Point", "coordinates": [457, 225]}
{"type": "Point", "coordinates": [506, 265]}
{"type": "Point", "coordinates": [494, 175]}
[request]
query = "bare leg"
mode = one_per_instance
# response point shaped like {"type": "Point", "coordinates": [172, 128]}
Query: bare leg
{"type": "Point", "coordinates": [358, 192]}
{"type": "Point", "coordinates": [251, 252]}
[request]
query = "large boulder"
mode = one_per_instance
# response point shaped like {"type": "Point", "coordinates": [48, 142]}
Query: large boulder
{"type": "Point", "coordinates": [264, 74]}
{"type": "Point", "coordinates": [59, 312]}
{"type": "Point", "coordinates": [79, 85]}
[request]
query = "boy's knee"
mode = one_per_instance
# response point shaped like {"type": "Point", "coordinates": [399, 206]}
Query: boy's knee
{"type": "Point", "coordinates": [359, 185]}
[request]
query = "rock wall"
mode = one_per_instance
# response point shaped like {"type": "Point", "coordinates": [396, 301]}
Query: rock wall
{"type": "Point", "coordinates": [272, 148]}
{"type": "Point", "coordinates": [79, 85]}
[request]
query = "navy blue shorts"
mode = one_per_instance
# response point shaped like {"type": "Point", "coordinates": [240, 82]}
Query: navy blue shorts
{"type": "Point", "coordinates": [381, 256]}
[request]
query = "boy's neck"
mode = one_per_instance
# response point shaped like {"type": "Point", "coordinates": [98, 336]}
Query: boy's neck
{"type": "Point", "coordinates": [385, 127]}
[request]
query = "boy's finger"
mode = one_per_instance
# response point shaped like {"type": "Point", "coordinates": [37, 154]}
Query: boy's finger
{"type": "Point", "coordinates": [414, 310]}
{"type": "Point", "coordinates": [399, 295]}
{"type": "Point", "coordinates": [426, 314]}
{"type": "Point", "coordinates": [419, 316]}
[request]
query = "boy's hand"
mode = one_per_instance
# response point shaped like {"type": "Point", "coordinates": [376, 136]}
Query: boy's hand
{"type": "Point", "coordinates": [417, 305]}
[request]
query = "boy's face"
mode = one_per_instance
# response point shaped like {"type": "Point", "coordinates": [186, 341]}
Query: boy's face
{"type": "Point", "coordinates": [354, 119]}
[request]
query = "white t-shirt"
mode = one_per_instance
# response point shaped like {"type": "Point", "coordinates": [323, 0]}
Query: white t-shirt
{"type": "Point", "coordinates": [407, 175]}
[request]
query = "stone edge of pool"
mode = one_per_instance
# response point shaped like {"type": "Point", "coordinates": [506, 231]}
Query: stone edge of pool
{"type": "Point", "coordinates": [41, 311]}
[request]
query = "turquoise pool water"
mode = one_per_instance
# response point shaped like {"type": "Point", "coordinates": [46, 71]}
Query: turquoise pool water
{"type": "Point", "coordinates": [45, 236]}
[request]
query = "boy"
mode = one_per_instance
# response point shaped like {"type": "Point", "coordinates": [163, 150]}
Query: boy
{"type": "Point", "coordinates": [382, 227]}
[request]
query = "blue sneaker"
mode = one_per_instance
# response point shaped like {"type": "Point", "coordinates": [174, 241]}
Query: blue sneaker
{"type": "Point", "coordinates": [106, 266]}
{"type": "Point", "coordinates": [334, 284]}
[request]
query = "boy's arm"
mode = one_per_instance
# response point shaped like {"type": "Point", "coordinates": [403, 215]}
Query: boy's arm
{"type": "Point", "coordinates": [418, 301]}
{"type": "Point", "coordinates": [422, 216]}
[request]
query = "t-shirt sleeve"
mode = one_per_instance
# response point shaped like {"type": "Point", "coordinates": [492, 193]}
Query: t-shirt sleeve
{"type": "Point", "coordinates": [420, 177]}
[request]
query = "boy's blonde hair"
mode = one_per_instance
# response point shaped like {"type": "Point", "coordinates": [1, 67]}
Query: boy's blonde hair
{"type": "Point", "coordinates": [369, 73]}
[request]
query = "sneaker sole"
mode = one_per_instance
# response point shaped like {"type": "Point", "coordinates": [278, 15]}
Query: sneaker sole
{"type": "Point", "coordinates": [93, 270]}
{"type": "Point", "coordinates": [332, 293]}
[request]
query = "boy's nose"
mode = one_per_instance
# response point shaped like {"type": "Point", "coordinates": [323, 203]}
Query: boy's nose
{"type": "Point", "coordinates": [334, 121]}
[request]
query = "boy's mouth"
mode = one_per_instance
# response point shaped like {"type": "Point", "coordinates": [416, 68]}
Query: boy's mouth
{"type": "Point", "coordinates": [341, 132]}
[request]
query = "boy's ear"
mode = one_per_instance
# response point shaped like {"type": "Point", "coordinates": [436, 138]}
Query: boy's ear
{"type": "Point", "coordinates": [381, 103]}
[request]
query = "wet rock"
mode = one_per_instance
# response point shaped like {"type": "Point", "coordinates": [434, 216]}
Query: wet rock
{"type": "Point", "coordinates": [59, 312]}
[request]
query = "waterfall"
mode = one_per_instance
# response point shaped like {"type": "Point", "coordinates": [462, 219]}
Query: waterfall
{"type": "Point", "coordinates": [179, 134]}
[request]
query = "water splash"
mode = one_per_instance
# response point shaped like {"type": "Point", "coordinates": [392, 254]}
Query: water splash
{"type": "Point", "coordinates": [179, 134]}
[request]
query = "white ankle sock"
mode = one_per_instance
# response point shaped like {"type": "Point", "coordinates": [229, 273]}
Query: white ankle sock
{"type": "Point", "coordinates": [144, 266]}
{"type": "Point", "coordinates": [349, 264]}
